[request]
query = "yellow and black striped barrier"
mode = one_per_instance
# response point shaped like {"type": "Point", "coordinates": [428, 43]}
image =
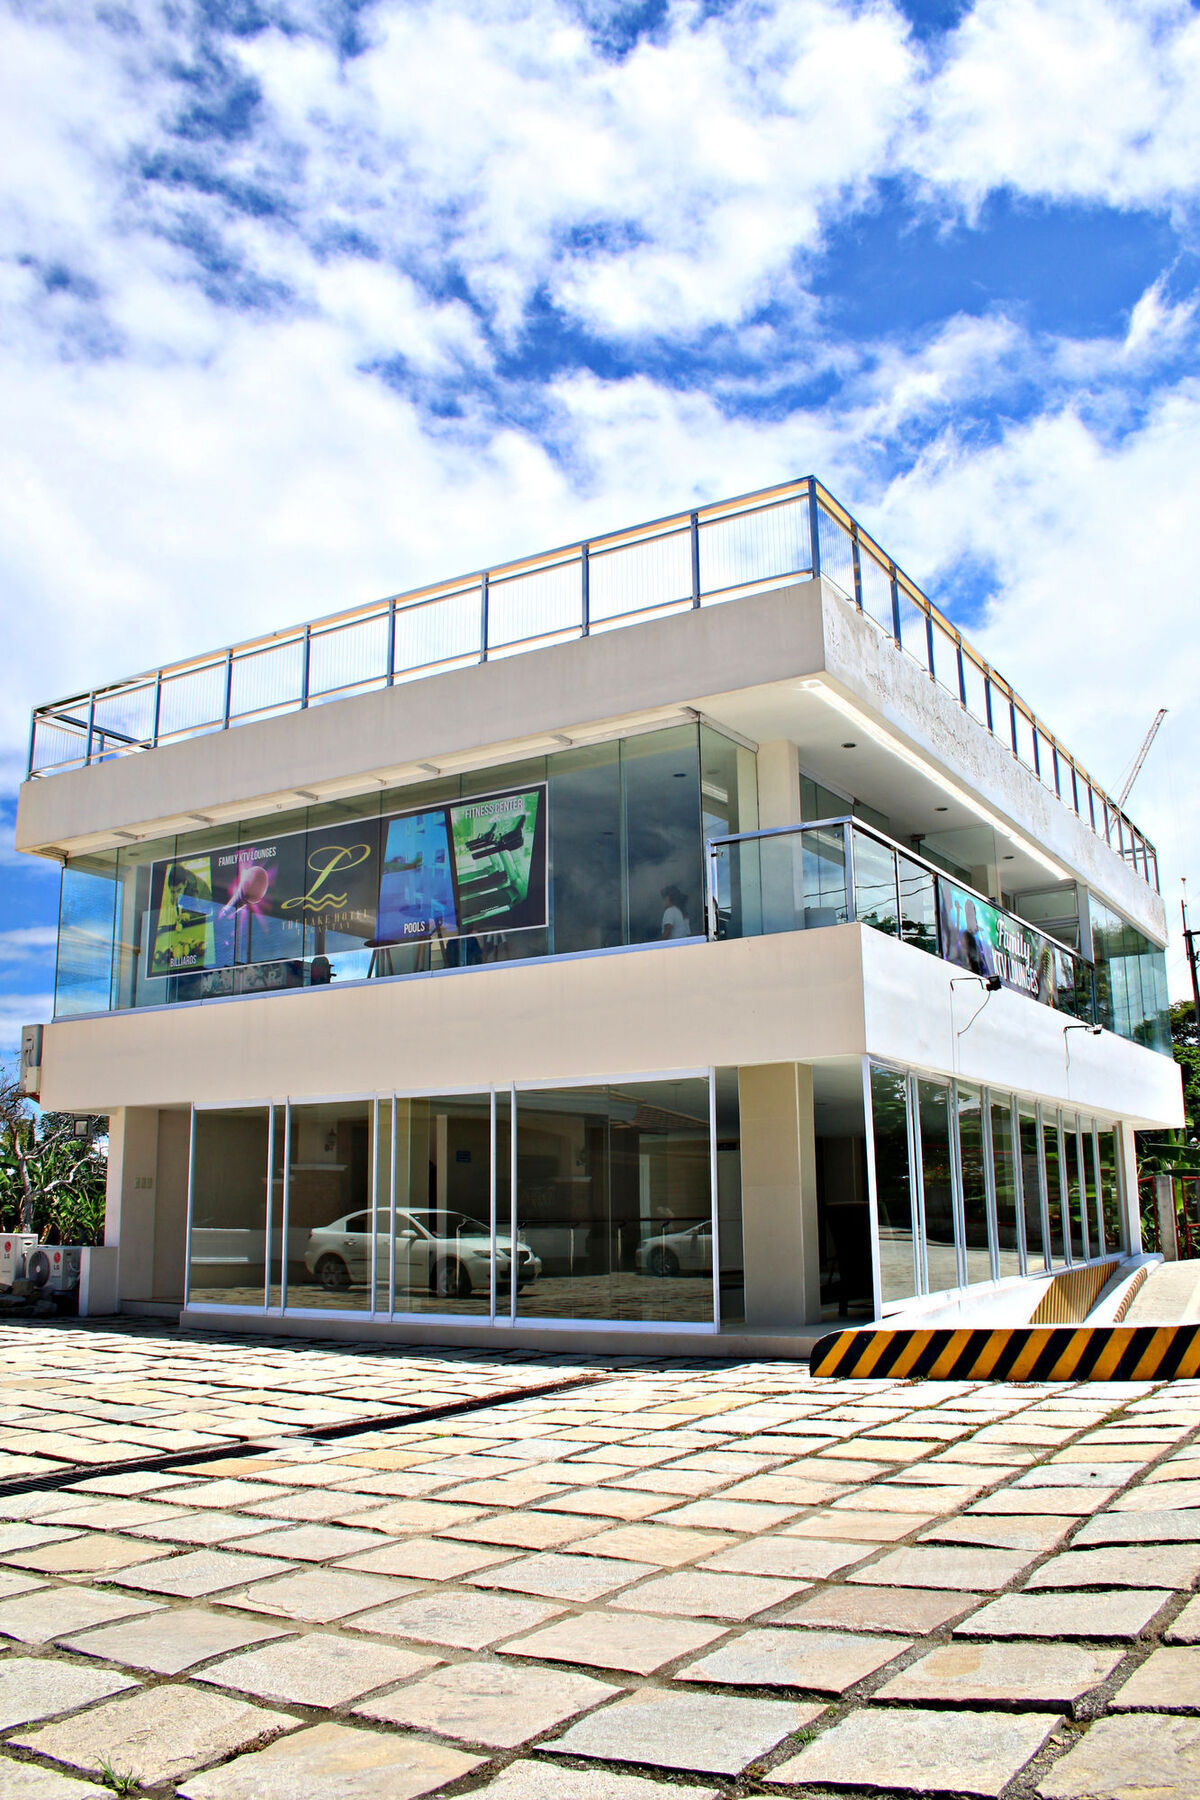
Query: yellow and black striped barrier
{"type": "Point", "coordinates": [1012, 1353]}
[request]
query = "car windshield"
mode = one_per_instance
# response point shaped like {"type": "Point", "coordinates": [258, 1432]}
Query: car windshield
{"type": "Point", "coordinates": [442, 1224]}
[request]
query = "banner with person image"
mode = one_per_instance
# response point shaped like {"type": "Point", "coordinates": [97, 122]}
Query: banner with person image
{"type": "Point", "coordinates": [985, 941]}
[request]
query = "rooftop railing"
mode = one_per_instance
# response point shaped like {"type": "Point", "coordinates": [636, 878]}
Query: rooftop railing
{"type": "Point", "coordinates": [692, 559]}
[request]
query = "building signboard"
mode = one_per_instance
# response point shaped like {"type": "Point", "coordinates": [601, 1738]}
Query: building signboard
{"type": "Point", "coordinates": [986, 941]}
{"type": "Point", "coordinates": [447, 871]}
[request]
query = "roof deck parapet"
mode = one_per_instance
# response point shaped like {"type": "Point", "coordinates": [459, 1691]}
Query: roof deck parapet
{"type": "Point", "coordinates": [705, 556]}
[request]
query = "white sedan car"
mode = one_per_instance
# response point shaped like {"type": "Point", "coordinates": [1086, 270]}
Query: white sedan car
{"type": "Point", "coordinates": [443, 1253]}
{"type": "Point", "coordinates": [687, 1252]}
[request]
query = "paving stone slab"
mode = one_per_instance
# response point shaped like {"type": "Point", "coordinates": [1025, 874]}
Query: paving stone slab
{"type": "Point", "coordinates": [426, 1558]}
{"type": "Point", "coordinates": [95, 1553]}
{"type": "Point", "coordinates": [542, 1781]}
{"type": "Point", "coordinates": [1075, 1474]}
{"type": "Point", "coordinates": [1181, 1527]}
{"type": "Point", "coordinates": [1010, 1673]}
{"type": "Point", "coordinates": [1150, 1497]}
{"type": "Point", "coordinates": [1185, 1629]}
{"type": "Point", "coordinates": [637, 1643]}
{"type": "Point", "coordinates": [200, 1572]}
{"type": "Point", "coordinates": [309, 1543]}
{"type": "Point", "coordinates": [26, 1781]}
{"type": "Point", "coordinates": [323, 1668]}
{"type": "Point", "coordinates": [1066, 1503]}
{"type": "Point", "coordinates": [1119, 1615]}
{"type": "Point", "coordinates": [318, 1596]}
{"type": "Point", "coordinates": [37, 1687]}
{"type": "Point", "coordinates": [1125, 1565]}
{"type": "Point", "coordinates": [497, 1704]}
{"type": "Point", "coordinates": [156, 1734]}
{"type": "Point", "coordinates": [557, 1575]}
{"type": "Point", "coordinates": [174, 1639]}
{"type": "Point", "coordinates": [911, 1750]}
{"type": "Point", "coordinates": [869, 1527]}
{"type": "Point", "coordinates": [1033, 1531]}
{"type": "Point", "coordinates": [532, 1530]}
{"type": "Point", "coordinates": [703, 1594]}
{"type": "Point", "coordinates": [462, 1621]}
{"type": "Point", "coordinates": [1168, 1681]}
{"type": "Point", "coordinates": [710, 1733]}
{"type": "Point", "coordinates": [12, 1583]}
{"type": "Point", "coordinates": [1139, 1756]}
{"type": "Point", "coordinates": [948, 1566]}
{"type": "Point", "coordinates": [347, 1761]}
{"type": "Point", "coordinates": [911, 1611]}
{"type": "Point", "coordinates": [791, 1557]}
{"type": "Point", "coordinates": [54, 1612]}
{"type": "Point", "coordinates": [668, 1546]}
{"type": "Point", "coordinates": [612, 1503]}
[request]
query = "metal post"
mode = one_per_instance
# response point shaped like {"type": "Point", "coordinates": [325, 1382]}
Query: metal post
{"type": "Point", "coordinates": [695, 559]}
{"type": "Point", "coordinates": [962, 675]}
{"type": "Point", "coordinates": [90, 724]}
{"type": "Point", "coordinates": [270, 1198]}
{"type": "Point", "coordinates": [492, 1211]}
{"type": "Point", "coordinates": [483, 617]}
{"type": "Point", "coordinates": [814, 526]}
{"type": "Point", "coordinates": [929, 645]}
{"type": "Point", "coordinates": [157, 707]}
{"type": "Point", "coordinates": [391, 644]}
{"type": "Point", "coordinates": [287, 1204]}
{"type": "Point", "coordinates": [304, 667]}
{"type": "Point", "coordinates": [33, 719]}
{"type": "Point", "coordinates": [714, 1198]}
{"type": "Point", "coordinates": [187, 1228]}
{"type": "Point", "coordinates": [987, 701]}
{"type": "Point", "coordinates": [896, 618]}
{"type": "Point", "coordinates": [228, 685]}
{"type": "Point", "coordinates": [1189, 940]}
{"type": "Point", "coordinates": [857, 567]}
{"type": "Point", "coordinates": [848, 852]}
{"type": "Point", "coordinates": [585, 572]}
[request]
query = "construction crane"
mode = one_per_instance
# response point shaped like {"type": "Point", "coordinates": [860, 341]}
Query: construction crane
{"type": "Point", "coordinates": [1140, 758]}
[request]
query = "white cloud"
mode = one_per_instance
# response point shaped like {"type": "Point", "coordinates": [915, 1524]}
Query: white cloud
{"type": "Point", "coordinates": [25, 941]}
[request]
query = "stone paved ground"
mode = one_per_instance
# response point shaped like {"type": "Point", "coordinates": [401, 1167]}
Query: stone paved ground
{"type": "Point", "coordinates": [700, 1579]}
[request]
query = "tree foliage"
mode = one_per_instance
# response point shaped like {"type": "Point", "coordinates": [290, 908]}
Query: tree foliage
{"type": "Point", "coordinates": [51, 1180]}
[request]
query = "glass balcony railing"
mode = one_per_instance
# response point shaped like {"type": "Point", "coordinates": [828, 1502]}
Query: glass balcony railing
{"type": "Point", "coordinates": [838, 871]}
{"type": "Point", "coordinates": [692, 559]}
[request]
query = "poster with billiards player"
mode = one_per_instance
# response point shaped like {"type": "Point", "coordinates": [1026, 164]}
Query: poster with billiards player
{"type": "Point", "coordinates": [275, 900]}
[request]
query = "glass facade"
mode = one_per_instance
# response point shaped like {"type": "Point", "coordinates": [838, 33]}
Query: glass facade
{"type": "Point", "coordinates": [1131, 981]}
{"type": "Point", "coordinates": [591, 848]}
{"type": "Point", "coordinates": [976, 1173]}
{"type": "Point", "coordinates": [407, 1205]}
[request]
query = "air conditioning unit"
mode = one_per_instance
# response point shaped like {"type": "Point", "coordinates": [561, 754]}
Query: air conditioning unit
{"type": "Point", "coordinates": [53, 1268]}
{"type": "Point", "coordinates": [15, 1249]}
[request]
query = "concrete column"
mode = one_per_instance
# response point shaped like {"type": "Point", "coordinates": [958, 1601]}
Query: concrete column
{"type": "Point", "coordinates": [1127, 1153]}
{"type": "Point", "coordinates": [778, 784]}
{"type": "Point", "coordinates": [1164, 1201]}
{"type": "Point", "coordinates": [779, 1195]}
{"type": "Point", "coordinates": [129, 1198]}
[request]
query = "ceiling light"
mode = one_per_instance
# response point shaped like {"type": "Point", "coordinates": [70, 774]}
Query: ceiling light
{"type": "Point", "coordinates": [879, 734]}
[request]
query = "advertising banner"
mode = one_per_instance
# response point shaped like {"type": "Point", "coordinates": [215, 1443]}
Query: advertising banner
{"type": "Point", "coordinates": [466, 867]}
{"type": "Point", "coordinates": [987, 941]}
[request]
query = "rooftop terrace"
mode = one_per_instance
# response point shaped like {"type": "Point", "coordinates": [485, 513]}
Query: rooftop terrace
{"type": "Point", "coordinates": [703, 558]}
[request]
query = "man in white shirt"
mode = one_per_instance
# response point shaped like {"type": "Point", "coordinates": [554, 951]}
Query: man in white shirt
{"type": "Point", "coordinates": [674, 920]}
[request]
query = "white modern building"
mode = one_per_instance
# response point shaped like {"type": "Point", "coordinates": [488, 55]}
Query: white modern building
{"type": "Point", "coordinates": [683, 939]}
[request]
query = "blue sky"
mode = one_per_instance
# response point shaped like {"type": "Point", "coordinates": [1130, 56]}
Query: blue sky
{"type": "Point", "coordinates": [303, 301]}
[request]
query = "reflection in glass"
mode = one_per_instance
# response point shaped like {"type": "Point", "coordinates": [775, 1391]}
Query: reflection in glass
{"type": "Point", "coordinates": [1004, 1178]}
{"type": "Point", "coordinates": [441, 1252]}
{"type": "Point", "coordinates": [843, 1192]}
{"type": "Point", "coordinates": [875, 884]}
{"type": "Point", "coordinates": [729, 1198]}
{"type": "Point", "coordinates": [1055, 1211]}
{"type": "Point", "coordinates": [893, 1192]}
{"type": "Point", "coordinates": [1073, 1172]}
{"type": "Point", "coordinates": [87, 903]}
{"type": "Point", "coordinates": [330, 1240]}
{"type": "Point", "coordinates": [1031, 1191]}
{"type": "Point", "coordinates": [974, 1190]}
{"type": "Point", "coordinates": [227, 1246]}
{"type": "Point", "coordinates": [1110, 1199]}
{"type": "Point", "coordinates": [384, 1113]}
{"type": "Point", "coordinates": [585, 847]}
{"type": "Point", "coordinates": [614, 1199]}
{"type": "Point", "coordinates": [938, 1186]}
{"type": "Point", "coordinates": [661, 774]}
{"type": "Point", "coordinates": [918, 906]}
{"type": "Point", "coordinates": [276, 1232]}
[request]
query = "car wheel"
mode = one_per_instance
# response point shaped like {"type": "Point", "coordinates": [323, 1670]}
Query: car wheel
{"type": "Point", "coordinates": [660, 1261]}
{"type": "Point", "coordinates": [332, 1272]}
{"type": "Point", "coordinates": [450, 1280]}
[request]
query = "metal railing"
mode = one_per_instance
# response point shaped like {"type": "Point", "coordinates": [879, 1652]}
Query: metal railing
{"type": "Point", "coordinates": [691, 559]}
{"type": "Point", "coordinates": [840, 871]}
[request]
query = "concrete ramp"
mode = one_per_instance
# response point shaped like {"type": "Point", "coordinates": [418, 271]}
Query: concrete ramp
{"type": "Point", "coordinates": [1170, 1295]}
